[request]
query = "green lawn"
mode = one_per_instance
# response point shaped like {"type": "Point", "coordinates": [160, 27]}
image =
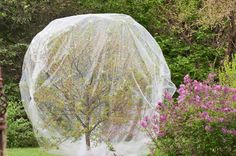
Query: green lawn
{"type": "Point", "coordinates": [37, 152]}
{"type": "Point", "coordinates": [26, 152]}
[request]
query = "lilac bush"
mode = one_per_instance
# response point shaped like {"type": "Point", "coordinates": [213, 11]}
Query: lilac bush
{"type": "Point", "coordinates": [201, 121]}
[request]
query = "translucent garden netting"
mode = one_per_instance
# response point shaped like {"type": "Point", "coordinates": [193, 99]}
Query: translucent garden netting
{"type": "Point", "coordinates": [87, 82]}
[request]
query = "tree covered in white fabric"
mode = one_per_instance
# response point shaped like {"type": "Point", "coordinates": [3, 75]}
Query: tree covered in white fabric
{"type": "Point", "coordinates": [88, 80]}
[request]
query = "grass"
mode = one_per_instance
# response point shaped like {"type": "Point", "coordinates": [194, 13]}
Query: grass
{"type": "Point", "coordinates": [27, 152]}
{"type": "Point", "coordinates": [37, 152]}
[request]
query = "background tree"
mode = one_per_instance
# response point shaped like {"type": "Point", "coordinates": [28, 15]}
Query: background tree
{"type": "Point", "coordinates": [221, 14]}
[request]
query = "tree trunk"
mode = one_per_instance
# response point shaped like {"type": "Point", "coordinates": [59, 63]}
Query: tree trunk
{"type": "Point", "coordinates": [232, 37]}
{"type": "Point", "coordinates": [87, 139]}
{"type": "Point", "coordinates": [2, 118]}
{"type": "Point", "coordinates": [135, 122]}
{"type": "Point", "coordinates": [87, 124]}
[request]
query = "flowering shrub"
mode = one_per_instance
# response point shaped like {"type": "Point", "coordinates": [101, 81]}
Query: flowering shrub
{"type": "Point", "coordinates": [202, 121]}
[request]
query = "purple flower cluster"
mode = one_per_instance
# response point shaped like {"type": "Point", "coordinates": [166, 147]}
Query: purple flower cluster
{"type": "Point", "coordinates": [211, 105]}
{"type": "Point", "coordinates": [144, 122]}
{"type": "Point", "coordinates": [151, 123]}
{"type": "Point", "coordinates": [227, 131]}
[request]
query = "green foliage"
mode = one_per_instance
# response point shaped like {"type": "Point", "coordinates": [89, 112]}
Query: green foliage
{"type": "Point", "coordinates": [195, 140]}
{"type": "Point", "coordinates": [196, 60]}
{"type": "Point", "coordinates": [19, 133]}
{"type": "Point", "coordinates": [188, 9]}
{"type": "Point", "coordinates": [27, 152]}
{"type": "Point", "coordinates": [227, 73]}
{"type": "Point", "coordinates": [11, 60]}
{"type": "Point", "coordinates": [142, 10]}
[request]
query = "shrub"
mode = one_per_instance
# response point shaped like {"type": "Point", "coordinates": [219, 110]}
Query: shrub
{"type": "Point", "coordinates": [227, 73]}
{"type": "Point", "coordinates": [202, 121]}
{"type": "Point", "coordinates": [19, 132]}
{"type": "Point", "coordinates": [197, 60]}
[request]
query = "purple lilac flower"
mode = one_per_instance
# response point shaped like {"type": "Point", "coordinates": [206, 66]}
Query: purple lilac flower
{"type": "Point", "coordinates": [197, 88]}
{"type": "Point", "coordinates": [181, 90]}
{"type": "Point", "coordinates": [217, 87]}
{"type": "Point", "coordinates": [234, 97]}
{"type": "Point", "coordinates": [180, 99]}
{"type": "Point", "coordinates": [233, 132]}
{"type": "Point", "coordinates": [226, 89]}
{"type": "Point", "coordinates": [224, 130]}
{"type": "Point", "coordinates": [163, 117]}
{"type": "Point", "coordinates": [155, 128]}
{"type": "Point", "coordinates": [187, 79]}
{"type": "Point", "coordinates": [226, 109]}
{"type": "Point", "coordinates": [204, 106]}
{"type": "Point", "coordinates": [198, 98]}
{"type": "Point", "coordinates": [221, 119]}
{"type": "Point", "coordinates": [161, 133]}
{"type": "Point", "coordinates": [168, 97]}
{"type": "Point", "coordinates": [206, 88]}
{"type": "Point", "coordinates": [209, 103]}
{"type": "Point", "coordinates": [159, 105]}
{"type": "Point", "coordinates": [144, 123]}
{"type": "Point", "coordinates": [205, 116]}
